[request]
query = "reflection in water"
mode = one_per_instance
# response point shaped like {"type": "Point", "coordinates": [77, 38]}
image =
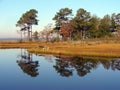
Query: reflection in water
{"type": "Point", "coordinates": [66, 65]}
{"type": "Point", "coordinates": [116, 64]}
{"type": "Point", "coordinates": [49, 58]}
{"type": "Point", "coordinates": [27, 64]}
{"type": "Point", "coordinates": [63, 67]}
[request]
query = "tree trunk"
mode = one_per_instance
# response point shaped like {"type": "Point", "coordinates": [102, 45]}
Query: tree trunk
{"type": "Point", "coordinates": [82, 34]}
{"type": "Point", "coordinates": [31, 32]}
{"type": "Point", "coordinates": [21, 35]}
{"type": "Point", "coordinates": [24, 35]}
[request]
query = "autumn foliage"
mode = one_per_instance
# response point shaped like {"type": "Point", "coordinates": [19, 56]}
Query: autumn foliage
{"type": "Point", "coordinates": [67, 29]}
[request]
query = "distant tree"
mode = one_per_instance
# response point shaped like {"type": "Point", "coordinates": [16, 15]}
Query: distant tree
{"type": "Point", "coordinates": [113, 23]}
{"type": "Point", "coordinates": [94, 29]}
{"type": "Point", "coordinates": [45, 34]}
{"type": "Point", "coordinates": [67, 29]}
{"type": "Point", "coordinates": [82, 22]}
{"type": "Point", "coordinates": [35, 35]}
{"type": "Point", "coordinates": [62, 17]}
{"type": "Point", "coordinates": [116, 21]}
{"type": "Point", "coordinates": [104, 27]}
{"type": "Point", "coordinates": [27, 20]}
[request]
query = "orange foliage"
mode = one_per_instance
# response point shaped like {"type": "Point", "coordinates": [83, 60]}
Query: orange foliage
{"type": "Point", "coordinates": [67, 29]}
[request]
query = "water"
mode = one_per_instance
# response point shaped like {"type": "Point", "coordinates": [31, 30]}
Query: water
{"type": "Point", "coordinates": [7, 39]}
{"type": "Point", "coordinates": [22, 71]}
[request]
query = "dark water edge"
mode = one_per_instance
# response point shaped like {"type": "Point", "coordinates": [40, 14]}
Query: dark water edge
{"type": "Point", "coordinates": [1, 39]}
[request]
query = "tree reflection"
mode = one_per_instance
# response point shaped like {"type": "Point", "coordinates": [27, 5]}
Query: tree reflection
{"type": "Point", "coordinates": [83, 66]}
{"type": "Point", "coordinates": [63, 68]}
{"type": "Point", "coordinates": [116, 64]}
{"type": "Point", "coordinates": [66, 65]}
{"type": "Point", "coordinates": [27, 64]}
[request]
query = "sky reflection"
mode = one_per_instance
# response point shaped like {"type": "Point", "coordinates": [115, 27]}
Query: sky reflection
{"type": "Point", "coordinates": [55, 73]}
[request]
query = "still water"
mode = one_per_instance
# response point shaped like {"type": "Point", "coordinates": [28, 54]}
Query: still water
{"type": "Point", "coordinates": [20, 70]}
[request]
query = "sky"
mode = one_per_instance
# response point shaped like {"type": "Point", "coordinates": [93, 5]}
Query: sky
{"type": "Point", "coordinates": [12, 10]}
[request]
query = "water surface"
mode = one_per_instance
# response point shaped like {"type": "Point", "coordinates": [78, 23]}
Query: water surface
{"type": "Point", "coordinates": [20, 70]}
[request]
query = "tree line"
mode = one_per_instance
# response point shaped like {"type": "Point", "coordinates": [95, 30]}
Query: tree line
{"type": "Point", "coordinates": [83, 25]}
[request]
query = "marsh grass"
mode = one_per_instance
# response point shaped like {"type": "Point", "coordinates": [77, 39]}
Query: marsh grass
{"type": "Point", "coordinates": [97, 50]}
{"type": "Point", "coordinates": [92, 48]}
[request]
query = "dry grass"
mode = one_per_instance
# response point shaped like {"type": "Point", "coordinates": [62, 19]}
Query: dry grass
{"type": "Point", "coordinates": [102, 50]}
{"type": "Point", "coordinates": [17, 44]}
{"type": "Point", "coordinates": [68, 48]}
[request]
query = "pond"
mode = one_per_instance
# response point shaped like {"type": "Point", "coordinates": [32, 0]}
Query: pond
{"type": "Point", "coordinates": [20, 70]}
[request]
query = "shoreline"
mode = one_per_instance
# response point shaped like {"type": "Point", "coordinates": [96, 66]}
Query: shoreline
{"type": "Point", "coordinates": [107, 50]}
{"type": "Point", "coordinates": [67, 54]}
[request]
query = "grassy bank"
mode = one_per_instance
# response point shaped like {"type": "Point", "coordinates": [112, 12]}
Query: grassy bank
{"type": "Point", "coordinates": [97, 50]}
{"type": "Point", "coordinates": [80, 48]}
{"type": "Point", "coordinates": [17, 44]}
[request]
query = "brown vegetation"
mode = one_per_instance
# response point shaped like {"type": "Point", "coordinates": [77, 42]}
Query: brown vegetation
{"type": "Point", "coordinates": [79, 48]}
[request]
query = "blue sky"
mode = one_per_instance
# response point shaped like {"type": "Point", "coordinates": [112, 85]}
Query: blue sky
{"type": "Point", "coordinates": [11, 11]}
